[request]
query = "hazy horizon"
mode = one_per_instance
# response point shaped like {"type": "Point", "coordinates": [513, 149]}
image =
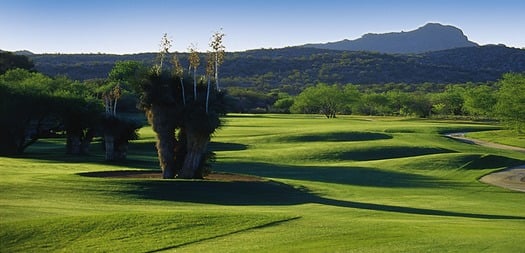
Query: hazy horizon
{"type": "Point", "coordinates": [136, 26]}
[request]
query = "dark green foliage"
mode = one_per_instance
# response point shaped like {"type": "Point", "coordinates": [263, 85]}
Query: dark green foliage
{"type": "Point", "coordinates": [324, 99]}
{"type": "Point", "coordinates": [510, 107]}
{"type": "Point", "coordinates": [184, 154]}
{"type": "Point", "coordinates": [9, 60]}
{"type": "Point", "coordinates": [121, 131]}
{"type": "Point", "coordinates": [249, 100]}
{"type": "Point", "coordinates": [292, 68]}
{"type": "Point", "coordinates": [35, 106]}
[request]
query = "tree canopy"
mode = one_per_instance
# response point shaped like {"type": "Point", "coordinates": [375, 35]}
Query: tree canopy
{"type": "Point", "coordinates": [510, 107]}
{"type": "Point", "coordinates": [9, 60]}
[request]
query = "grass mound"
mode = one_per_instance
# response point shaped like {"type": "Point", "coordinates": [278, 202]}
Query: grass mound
{"type": "Point", "coordinates": [124, 232]}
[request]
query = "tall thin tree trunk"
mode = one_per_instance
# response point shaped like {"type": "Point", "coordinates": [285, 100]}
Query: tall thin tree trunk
{"type": "Point", "coordinates": [217, 71]}
{"type": "Point", "coordinates": [183, 92]}
{"type": "Point", "coordinates": [208, 95]}
{"type": "Point", "coordinates": [115, 108]}
{"type": "Point", "coordinates": [194, 84]}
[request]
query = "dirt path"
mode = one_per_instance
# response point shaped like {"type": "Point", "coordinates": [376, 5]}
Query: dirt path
{"type": "Point", "coordinates": [512, 178]}
{"type": "Point", "coordinates": [463, 138]}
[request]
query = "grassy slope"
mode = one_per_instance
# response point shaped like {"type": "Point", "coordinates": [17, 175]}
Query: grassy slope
{"type": "Point", "coordinates": [348, 184]}
{"type": "Point", "coordinates": [506, 137]}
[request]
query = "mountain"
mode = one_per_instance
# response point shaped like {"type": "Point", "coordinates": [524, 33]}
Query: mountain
{"type": "Point", "coordinates": [428, 38]}
{"type": "Point", "coordinates": [24, 52]}
{"type": "Point", "coordinates": [293, 68]}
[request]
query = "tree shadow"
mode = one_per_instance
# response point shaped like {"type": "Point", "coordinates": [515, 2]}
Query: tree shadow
{"type": "Point", "coordinates": [491, 161]}
{"type": "Point", "coordinates": [381, 153]}
{"type": "Point", "coordinates": [359, 176]}
{"type": "Point", "coordinates": [338, 137]}
{"type": "Point", "coordinates": [227, 146]}
{"type": "Point", "coordinates": [269, 193]}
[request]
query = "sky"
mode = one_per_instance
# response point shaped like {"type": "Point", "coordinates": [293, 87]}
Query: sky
{"type": "Point", "coordinates": [135, 26]}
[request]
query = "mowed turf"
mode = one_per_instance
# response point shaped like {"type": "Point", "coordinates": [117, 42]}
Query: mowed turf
{"type": "Point", "coordinates": [351, 184]}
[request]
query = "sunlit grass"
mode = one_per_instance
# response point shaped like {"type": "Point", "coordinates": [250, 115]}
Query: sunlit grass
{"type": "Point", "coordinates": [351, 184]}
{"type": "Point", "coordinates": [506, 137]}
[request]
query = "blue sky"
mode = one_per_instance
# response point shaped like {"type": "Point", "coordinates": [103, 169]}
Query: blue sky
{"type": "Point", "coordinates": [133, 26]}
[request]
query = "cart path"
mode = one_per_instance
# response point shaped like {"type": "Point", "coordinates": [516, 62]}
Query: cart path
{"type": "Point", "coordinates": [512, 178]}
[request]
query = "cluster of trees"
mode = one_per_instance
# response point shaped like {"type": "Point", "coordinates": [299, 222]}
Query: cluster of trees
{"type": "Point", "coordinates": [183, 110]}
{"type": "Point", "coordinates": [505, 101]}
{"type": "Point", "coordinates": [9, 60]}
{"type": "Point", "coordinates": [34, 106]}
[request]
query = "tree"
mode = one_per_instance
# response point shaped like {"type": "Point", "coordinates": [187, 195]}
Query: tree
{"type": "Point", "coordinates": [322, 98]}
{"type": "Point", "coordinates": [217, 53]}
{"type": "Point", "coordinates": [178, 70]}
{"type": "Point", "coordinates": [26, 106]}
{"type": "Point", "coordinates": [32, 105]}
{"type": "Point", "coordinates": [449, 102]}
{"type": "Point", "coordinates": [165, 45]}
{"type": "Point", "coordinates": [211, 65]}
{"type": "Point", "coordinates": [117, 130]}
{"type": "Point", "coordinates": [283, 103]}
{"type": "Point", "coordinates": [480, 101]}
{"type": "Point", "coordinates": [373, 104]}
{"type": "Point", "coordinates": [8, 61]}
{"type": "Point", "coordinates": [510, 107]}
{"type": "Point", "coordinates": [183, 128]}
{"type": "Point", "coordinates": [194, 64]}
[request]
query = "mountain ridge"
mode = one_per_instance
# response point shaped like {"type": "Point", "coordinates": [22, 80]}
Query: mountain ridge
{"type": "Point", "coordinates": [428, 38]}
{"type": "Point", "coordinates": [294, 68]}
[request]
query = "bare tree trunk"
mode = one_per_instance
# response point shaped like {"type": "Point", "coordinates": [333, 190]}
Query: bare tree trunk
{"type": "Point", "coordinates": [165, 149]}
{"type": "Point", "coordinates": [217, 72]}
{"type": "Point", "coordinates": [86, 141]}
{"type": "Point", "coordinates": [165, 128]}
{"type": "Point", "coordinates": [115, 107]}
{"type": "Point", "coordinates": [109, 142]}
{"type": "Point", "coordinates": [208, 94]}
{"type": "Point", "coordinates": [195, 84]}
{"type": "Point", "coordinates": [73, 143]}
{"type": "Point", "coordinates": [197, 143]}
{"type": "Point", "coordinates": [183, 92]}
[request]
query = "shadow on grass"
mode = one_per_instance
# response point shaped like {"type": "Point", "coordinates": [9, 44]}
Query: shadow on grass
{"type": "Point", "coordinates": [141, 155]}
{"type": "Point", "coordinates": [360, 176]}
{"type": "Point", "coordinates": [227, 146]}
{"type": "Point", "coordinates": [338, 136]}
{"type": "Point", "coordinates": [269, 193]}
{"type": "Point", "coordinates": [381, 153]}
{"type": "Point", "coordinates": [491, 161]}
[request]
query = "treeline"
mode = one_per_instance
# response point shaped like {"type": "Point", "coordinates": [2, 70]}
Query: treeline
{"type": "Point", "coordinates": [183, 108]}
{"type": "Point", "coordinates": [505, 100]}
{"type": "Point", "coordinates": [292, 69]}
{"type": "Point", "coordinates": [35, 106]}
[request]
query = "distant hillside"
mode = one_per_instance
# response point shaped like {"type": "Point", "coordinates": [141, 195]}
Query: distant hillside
{"type": "Point", "coordinates": [291, 69]}
{"type": "Point", "coordinates": [431, 37]}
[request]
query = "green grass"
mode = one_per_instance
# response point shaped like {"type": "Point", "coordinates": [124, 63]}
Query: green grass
{"type": "Point", "coordinates": [351, 184]}
{"type": "Point", "coordinates": [506, 137]}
